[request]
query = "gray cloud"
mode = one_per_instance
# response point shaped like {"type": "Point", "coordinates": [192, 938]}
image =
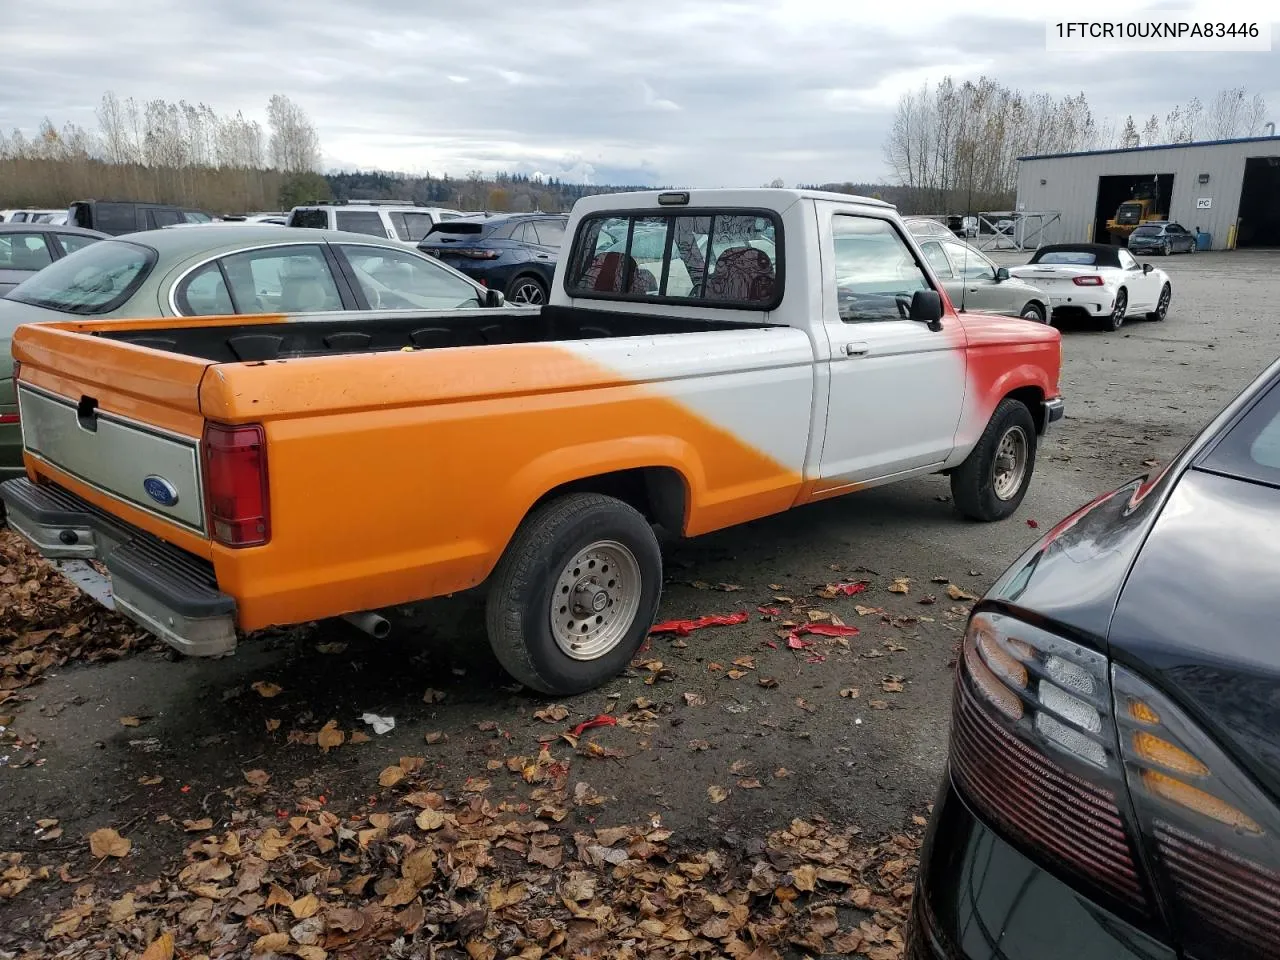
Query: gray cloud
{"type": "Point", "coordinates": [712, 93]}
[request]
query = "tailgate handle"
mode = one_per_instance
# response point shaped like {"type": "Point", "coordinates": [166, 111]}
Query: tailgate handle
{"type": "Point", "coordinates": [87, 414]}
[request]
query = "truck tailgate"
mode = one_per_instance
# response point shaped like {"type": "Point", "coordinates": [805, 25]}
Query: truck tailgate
{"type": "Point", "coordinates": [118, 424]}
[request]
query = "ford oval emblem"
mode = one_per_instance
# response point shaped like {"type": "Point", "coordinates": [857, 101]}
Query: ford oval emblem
{"type": "Point", "coordinates": [160, 490]}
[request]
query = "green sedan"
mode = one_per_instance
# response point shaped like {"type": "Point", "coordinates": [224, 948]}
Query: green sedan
{"type": "Point", "coordinates": [221, 269]}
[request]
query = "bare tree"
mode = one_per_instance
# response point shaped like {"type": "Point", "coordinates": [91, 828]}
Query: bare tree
{"type": "Point", "coordinates": [1129, 136]}
{"type": "Point", "coordinates": [116, 130]}
{"type": "Point", "coordinates": [1255, 115]}
{"type": "Point", "coordinates": [295, 145]}
{"type": "Point", "coordinates": [1225, 115]}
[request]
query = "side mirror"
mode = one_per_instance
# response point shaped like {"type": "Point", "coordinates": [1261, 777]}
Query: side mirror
{"type": "Point", "coordinates": [494, 298]}
{"type": "Point", "coordinates": [1002, 274]}
{"type": "Point", "coordinates": [1146, 268]}
{"type": "Point", "coordinates": [926, 307]}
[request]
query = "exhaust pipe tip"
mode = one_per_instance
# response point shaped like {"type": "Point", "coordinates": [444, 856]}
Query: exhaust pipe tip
{"type": "Point", "coordinates": [375, 625]}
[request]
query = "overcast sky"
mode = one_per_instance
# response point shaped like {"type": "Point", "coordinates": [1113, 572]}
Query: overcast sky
{"type": "Point", "coordinates": [690, 92]}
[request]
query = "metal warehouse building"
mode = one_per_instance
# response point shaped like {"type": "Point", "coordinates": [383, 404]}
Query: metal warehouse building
{"type": "Point", "coordinates": [1229, 189]}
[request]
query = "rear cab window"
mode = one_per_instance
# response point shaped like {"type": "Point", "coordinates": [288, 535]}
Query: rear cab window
{"type": "Point", "coordinates": [722, 258]}
{"type": "Point", "coordinates": [1250, 450]}
{"type": "Point", "coordinates": [95, 280]}
{"type": "Point", "coordinates": [309, 217]}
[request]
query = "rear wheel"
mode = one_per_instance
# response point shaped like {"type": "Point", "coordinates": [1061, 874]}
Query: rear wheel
{"type": "Point", "coordinates": [1162, 305]}
{"type": "Point", "coordinates": [575, 594]}
{"type": "Point", "coordinates": [993, 479]}
{"type": "Point", "coordinates": [1116, 318]}
{"type": "Point", "coordinates": [527, 291]}
{"type": "Point", "coordinates": [1033, 311]}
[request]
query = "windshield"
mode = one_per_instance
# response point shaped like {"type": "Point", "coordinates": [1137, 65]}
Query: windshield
{"type": "Point", "coordinates": [1076, 257]}
{"type": "Point", "coordinates": [96, 279]}
{"type": "Point", "coordinates": [1147, 232]}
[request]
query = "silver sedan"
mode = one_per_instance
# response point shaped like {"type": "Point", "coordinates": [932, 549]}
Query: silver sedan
{"type": "Point", "coordinates": [976, 283]}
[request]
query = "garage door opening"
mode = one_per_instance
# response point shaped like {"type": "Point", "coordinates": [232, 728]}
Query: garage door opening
{"type": "Point", "coordinates": [1153, 191]}
{"type": "Point", "coordinates": [1260, 204]}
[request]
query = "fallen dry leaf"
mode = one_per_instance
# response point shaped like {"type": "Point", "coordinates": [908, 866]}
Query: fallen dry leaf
{"type": "Point", "coordinates": [878, 704]}
{"type": "Point", "coordinates": [271, 943]}
{"type": "Point", "coordinates": [695, 700]}
{"type": "Point", "coordinates": [891, 684]}
{"type": "Point", "coordinates": [717, 794]}
{"type": "Point", "coordinates": [198, 826]}
{"type": "Point", "coordinates": [259, 778]}
{"type": "Point", "coordinates": [391, 776]}
{"type": "Point", "coordinates": [305, 907]}
{"type": "Point", "coordinates": [850, 693]}
{"type": "Point", "coordinates": [107, 843]}
{"type": "Point", "coordinates": [956, 593]}
{"type": "Point", "coordinates": [436, 736]}
{"type": "Point", "coordinates": [265, 689]}
{"type": "Point", "coordinates": [900, 585]}
{"type": "Point", "coordinates": [330, 736]}
{"type": "Point", "coordinates": [699, 745]}
{"type": "Point", "coordinates": [553, 714]}
{"type": "Point", "coordinates": [433, 696]}
{"type": "Point", "coordinates": [131, 721]}
{"type": "Point", "coordinates": [767, 682]}
{"type": "Point", "coordinates": [273, 725]}
{"type": "Point", "coordinates": [161, 948]}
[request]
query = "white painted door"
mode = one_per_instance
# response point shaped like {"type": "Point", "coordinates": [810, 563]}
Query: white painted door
{"type": "Point", "coordinates": [1144, 288]}
{"type": "Point", "coordinates": [896, 386]}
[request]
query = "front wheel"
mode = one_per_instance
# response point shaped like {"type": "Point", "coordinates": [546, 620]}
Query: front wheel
{"type": "Point", "coordinates": [575, 594]}
{"type": "Point", "coordinates": [993, 479]}
{"type": "Point", "coordinates": [1033, 311]}
{"type": "Point", "coordinates": [1115, 320]}
{"type": "Point", "coordinates": [1162, 306]}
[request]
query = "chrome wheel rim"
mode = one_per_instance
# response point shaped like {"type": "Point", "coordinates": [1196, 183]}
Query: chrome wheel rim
{"type": "Point", "coordinates": [1010, 463]}
{"type": "Point", "coordinates": [527, 292]}
{"type": "Point", "coordinates": [1122, 304]}
{"type": "Point", "coordinates": [1031, 313]}
{"type": "Point", "coordinates": [595, 600]}
{"type": "Point", "coordinates": [1163, 306]}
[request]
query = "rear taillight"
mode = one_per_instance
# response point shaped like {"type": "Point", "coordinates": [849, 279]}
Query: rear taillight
{"type": "Point", "coordinates": [1087, 281]}
{"type": "Point", "coordinates": [1211, 828]}
{"type": "Point", "coordinates": [1033, 749]}
{"type": "Point", "coordinates": [235, 481]}
{"type": "Point", "coordinates": [8, 419]}
{"type": "Point", "coordinates": [474, 253]}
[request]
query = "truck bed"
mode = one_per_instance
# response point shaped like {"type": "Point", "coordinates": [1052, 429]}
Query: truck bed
{"type": "Point", "coordinates": [318, 335]}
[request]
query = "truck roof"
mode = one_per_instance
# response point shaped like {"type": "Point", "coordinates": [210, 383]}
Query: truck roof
{"type": "Point", "coordinates": [777, 199]}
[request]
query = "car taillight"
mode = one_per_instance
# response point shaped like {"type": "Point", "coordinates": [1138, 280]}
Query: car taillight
{"type": "Point", "coordinates": [7, 419]}
{"type": "Point", "coordinates": [1212, 830]}
{"type": "Point", "coordinates": [235, 481]}
{"type": "Point", "coordinates": [474, 253]}
{"type": "Point", "coordinates": [1033, 749]}
{"type": "Point", "coordinates": [1087, 281]}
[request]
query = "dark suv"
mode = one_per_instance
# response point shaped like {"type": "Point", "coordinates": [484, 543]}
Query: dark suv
{"type": "Point", "coordinates": [515, 253]}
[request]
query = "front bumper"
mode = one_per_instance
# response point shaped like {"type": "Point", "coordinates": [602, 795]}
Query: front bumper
{"type": "Point", "coordinates": [979, 898]}
{"type": "Point", "coordinates": [1054, 410]}
{"type": "Point", "coordinates": [167, 591]}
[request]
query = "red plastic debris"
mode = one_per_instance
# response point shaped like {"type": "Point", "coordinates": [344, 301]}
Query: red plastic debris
{"type": "Point", "coordinates": [682, 628]}
{"type": "Point", "coordinates": [770, 643]}
{"type": "Point", "coordinates": [1032, 524]}
{"type": "Point", "coordinates": [603, 720]}
{"type": "Point", "coordinates": [849, 589]}
{"type": "Point", "coordinates": [795, 643]}
{"type": "Point", "coordinates": [828, 630]}
{"type": "Point", "coordinates": [769, 611]}
{"type": "Point", "coordinates": [817, 658]}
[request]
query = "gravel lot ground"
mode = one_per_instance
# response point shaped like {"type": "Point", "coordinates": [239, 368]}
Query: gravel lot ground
{"type": "Point", "coordinates": [794, 747]}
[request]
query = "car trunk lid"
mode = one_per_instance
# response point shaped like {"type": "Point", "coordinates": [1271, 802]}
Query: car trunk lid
{"type": "Point", "coordinates": [119, 423]}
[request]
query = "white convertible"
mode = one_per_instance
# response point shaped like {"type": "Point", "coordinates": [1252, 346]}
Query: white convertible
{"type": "Point", "coordinates": [1102, 281]}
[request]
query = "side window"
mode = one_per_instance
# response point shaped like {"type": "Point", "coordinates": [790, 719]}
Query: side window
{"type": "Point", "coordinates": [550, 232]}
{"type": "Point", "coordinates": [71, 242]}
{"type": "Point", "coordinates": [969, 264]}
{"type": "Point", "coordinates": [315, 219]}
{"type": "Point", "coordinates": [416, 225]}
{"type": "Point", "coordinates": [24, 251]}
{"type": "Point", "coordinates": [876, 273]}
{"type": "Point", "coordinates": [398, 223]}
{"type": "Point", "coordinates": [362, 221]}
{"type": "Point", "coordinates": [114, 218]}
{"type": "Point", "coordinates": [204, 294]}
{"type": "Point", "coordinates": [398, 280]}
{"type": "Point", "coordinates": [730, 259]}
{"type": "Point", "coordinates": [1126, 260]}
{"type": "Point", "coordinates": [937, 259]}
{"type": "Point", "coordinates": [521, 233]}
{"type": "Point", "coordinates": [293, 279]}
{"type": "Point", "coordinates": [157, 218]}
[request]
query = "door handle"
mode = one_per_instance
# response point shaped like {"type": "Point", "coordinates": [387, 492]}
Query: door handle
{"type": "Point", "coordinates": [859, 349]}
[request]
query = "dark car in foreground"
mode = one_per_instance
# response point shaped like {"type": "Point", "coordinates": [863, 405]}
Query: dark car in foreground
{"type": "Point", "coordinates": [513, 253]}
{"type": "Point", "coordinates": [1163, 238]}
{"type": "Point", "coordinates": [1113, 781]}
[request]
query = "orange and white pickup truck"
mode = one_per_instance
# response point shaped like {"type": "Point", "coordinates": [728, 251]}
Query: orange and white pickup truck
{"type": "Point", "coordinates": [706, 358]}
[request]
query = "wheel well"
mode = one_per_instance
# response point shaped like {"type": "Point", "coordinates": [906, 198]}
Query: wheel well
{"type": "Point", "coordinates": [1033, 399]}
{"type": "Point", "coordinates": [659, 493]}
{"type": "Point", "coordinates": [528, 275]}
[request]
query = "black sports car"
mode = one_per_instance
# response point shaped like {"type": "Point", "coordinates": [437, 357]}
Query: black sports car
{"type": "Point", "coordinates": [1113, 784]}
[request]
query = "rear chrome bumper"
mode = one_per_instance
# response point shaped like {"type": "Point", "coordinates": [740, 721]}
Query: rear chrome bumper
{"type": "Point", "coordinates": [169, 592]}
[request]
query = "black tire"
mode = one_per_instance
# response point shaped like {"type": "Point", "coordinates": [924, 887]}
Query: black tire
{"type": "Point", "coordinates": [1033, 311]}
{"type": "Point", "coordinates": [519, 609]}
{"type": "Point", "coordinates": [533, 289]}
{"type": "Point", "coordinates": [1166, 250]}
{"type": "Point", "coordinates": [1162, 305]}
{"type": "Point", "coordinates": [1115, 320]}
{"type": "Point", "coordinates": [973, 488]}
